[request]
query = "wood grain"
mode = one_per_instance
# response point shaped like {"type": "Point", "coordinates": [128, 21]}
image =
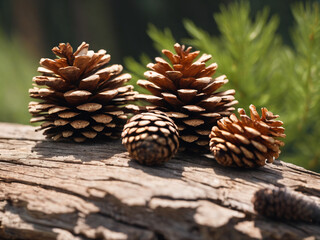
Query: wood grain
{"type": "Point", "coordinates": [73, 191]}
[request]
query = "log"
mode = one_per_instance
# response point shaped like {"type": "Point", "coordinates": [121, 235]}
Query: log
{"type": "Point", "coordinates": [55, 190]}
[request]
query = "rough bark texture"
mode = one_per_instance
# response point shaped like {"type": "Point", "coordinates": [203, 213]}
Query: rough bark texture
{"type": "Point", "coordinates": [73, 191]}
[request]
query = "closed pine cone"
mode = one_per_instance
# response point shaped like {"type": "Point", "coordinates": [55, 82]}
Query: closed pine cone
{"type": "Point", "coordinates": [281, 203]}
{"type": "Point", "coordinates": [80, 96]}
{"type": "Point", "coordinates": [247, 142]}
{"type": "Point", "coordinates": [151, 138]}
{"type": "Point", "coordinates": [186, 91]}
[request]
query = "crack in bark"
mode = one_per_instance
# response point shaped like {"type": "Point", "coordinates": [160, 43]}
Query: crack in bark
{"type": "Point", "coordinates": [18, 162]}
{"type": "Point", "coordinates": [307, 190]}
{"type": "Point", "coordinates": [301, 170]}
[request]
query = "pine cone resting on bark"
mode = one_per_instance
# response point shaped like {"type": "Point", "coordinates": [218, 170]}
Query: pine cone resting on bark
{"type": "Point", "coordinates": [247, 142]}
{"type": "Point", "coordinates": [151, 138]}
{"type": "Point", "coordinates": [185, 90]}
{"type": "Point", "coordinates": [80, 96]}
{"type": "Point", "coordinates": [280, 203]}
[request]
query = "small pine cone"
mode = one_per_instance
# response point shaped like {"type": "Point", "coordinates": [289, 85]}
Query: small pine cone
{"type": "Point", "coordinates": [151, 138]}
{"type": "Point", "coordinates": [247, 142]}
{"type": "Point", "coordinates": [185, 90]}
{"type": "Point", "coordinates": [281, 203]}
{"type": "Point", "coordinates": [80, 96]}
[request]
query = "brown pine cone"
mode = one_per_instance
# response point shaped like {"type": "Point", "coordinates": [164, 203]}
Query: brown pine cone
{"type": "Point", "coordinates": [151, 138]}
{"type": "Point", "coordinates": [185, 90]}
{"type": "Point", "coordinates": [247, 142]}
{"type": "Point", "coordinates": [80, 96]}
{"type": "Point", "coordinates": [281, 203]}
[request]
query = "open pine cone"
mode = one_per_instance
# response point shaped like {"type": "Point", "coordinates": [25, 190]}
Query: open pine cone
{"type": "Point", "coordinates": [80, 96]}
{"type": "Point", "coordinates": [247, 142]}
{"type": "Point", "coordinates": [151, 138]}
{"type": "Point", "coordinates": [185, 90]}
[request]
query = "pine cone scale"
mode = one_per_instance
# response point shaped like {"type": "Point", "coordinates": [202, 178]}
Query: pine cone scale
{"type": "Point", "coordinates": [89, 83]}
{"type": "Point", "coordinates": [81, 62]}
{"type": "Point", "coordinates": [89, 107]}
{"type": "Point", "coordinates": [61, 122]}
{"type": "Point", "coordinates": [160, 80]}
{"type": "Point", "coordinates": [172, 99]}
{"type": "Point", "coordinates": [174, 75]}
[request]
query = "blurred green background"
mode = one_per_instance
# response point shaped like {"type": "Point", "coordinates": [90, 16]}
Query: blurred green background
{"type": "Point", "coordinates": [268, 49]}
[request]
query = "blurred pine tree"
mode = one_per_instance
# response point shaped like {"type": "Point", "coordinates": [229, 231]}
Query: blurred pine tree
{"type": "Point", "coordinates": [16, 71]}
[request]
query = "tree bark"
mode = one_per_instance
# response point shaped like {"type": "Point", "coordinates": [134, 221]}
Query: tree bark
{"type": "Point", "coordinates": [55, 190]}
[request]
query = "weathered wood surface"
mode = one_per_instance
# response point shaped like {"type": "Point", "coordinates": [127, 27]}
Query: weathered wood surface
{"type": "Point", "coordinates": [94, 191]}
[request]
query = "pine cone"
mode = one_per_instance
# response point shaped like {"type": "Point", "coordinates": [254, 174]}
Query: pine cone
{"type": "Point", "coordinates": [151, 138]}
{"type": "Point", "coordinates": [185, 90]}
{"type": "Point", "coordinates": [81, 98]}
{"type": "Point", "coordinates": [280, 203]}
{"type": "Point", "coordinates": [248, 142]}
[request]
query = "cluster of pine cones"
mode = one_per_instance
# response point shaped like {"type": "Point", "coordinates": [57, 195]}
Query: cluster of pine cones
{"type": "Point", "coordinates": [83, 97]}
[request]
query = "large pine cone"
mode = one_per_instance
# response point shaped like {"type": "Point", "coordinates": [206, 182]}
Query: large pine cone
{"type": "Point", "coordinates": [151, 138]}
{"type": "Point", "coordinates": [81, 97]}
{"type": "Point", "coordinates": [281, 203]}
{"type": "Point", "coordinates": [247, 142]}
{"type": "Point", "coordinates": [185, 90]}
